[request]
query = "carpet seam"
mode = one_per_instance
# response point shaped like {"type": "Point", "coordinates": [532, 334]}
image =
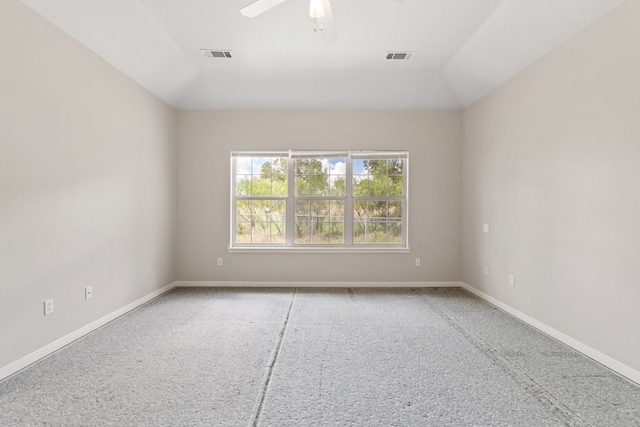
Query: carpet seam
{"type": "Point", "coordinates": [541, 394]}
{"type": "Point", "coordinates": [272, 363]}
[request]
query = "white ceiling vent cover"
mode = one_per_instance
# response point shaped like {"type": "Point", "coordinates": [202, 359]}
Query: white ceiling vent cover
{"type": "Point", "coordinates": [224, 54]}
{"type": "Point", "coordinates": [400, 56]}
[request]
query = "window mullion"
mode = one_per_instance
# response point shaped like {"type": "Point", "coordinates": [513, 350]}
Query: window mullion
{"type": "Point", "coordinates": [348, 204]}
{"type": "Point", "coordinates": [290, 208]}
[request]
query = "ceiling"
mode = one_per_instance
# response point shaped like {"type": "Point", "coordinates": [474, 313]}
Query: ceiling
{"type": "Point", "coordinates": [464, 48]}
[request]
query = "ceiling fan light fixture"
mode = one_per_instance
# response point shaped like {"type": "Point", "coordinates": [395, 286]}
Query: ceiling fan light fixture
{"type": "Point", "coordinates": [316, 11]}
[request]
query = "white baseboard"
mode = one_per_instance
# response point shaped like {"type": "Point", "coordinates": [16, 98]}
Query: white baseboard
{"type": "Point", "coordinates": [256, 284]}
{"type": "Point", "coordinates": [599, 357]}
{"type": "Point", "coordinates": [605, 360]}
{"type": "Point", "coordinates": [31, 358]}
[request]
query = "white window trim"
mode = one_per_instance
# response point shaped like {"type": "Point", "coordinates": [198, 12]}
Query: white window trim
{"type": "Point", "coordinates": [316, 250]}
{"type": "Point", "coordinates": [348, 247]}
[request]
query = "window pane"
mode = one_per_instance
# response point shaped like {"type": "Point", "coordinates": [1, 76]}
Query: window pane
{"type": "Point", "coordinates": [377, 210]}
{"type": "Point", "coordinates": [377, 222]}
{"type": "Point", "coordinates": [243, 165]}
{"type": "Point", "coordinates": [303, 210]}
{"type": "Point", "coordinates": [337, 169]}
{"type": "Point", "coordinates": [243, 211]}
{"type": "Point", "coordinates": [358, 167]}
{"type": "Point", "coordinates": [396, 176]}
{"type": "Point", "coordinates": [395, 210]}
{"type": "Point", "coordinates": [303, 218]}
{"type": "Point", "coordinates": [336, 222]}
{"type": "Point", "coordinates": [243, 185]}
{"type": "Point", "coordinates": [260, 210]}
{"type": "Point", "coordinates": [319, 210]}
{"type": "Point", "coordinates": [260, 232]}
{"type": "Point", "coordinates": [261, 176]}
{"type": "Point", "coordinates": [276, 171]}
{"type": "Point", "coordinates": [336, 233]}
{"type": "Point", "coordinates": [320, 177]}
{"type": "Point", "coordinates": [278, 235]}
{"type": "Point", "coordinates": [256, 164]}
{"type": "Point", "coordinates": [377, 232]}
{"type": "Point", "coordinates": [336, 211]}
{"type": "Point", "coordinates": [319, 222]}
{"type": "Point", "coordinates": [378, 185]}
{"type": "Point", "coordinates": [359, 232]}
{"type": "Point", "coordinates": [260, 186]}
{"type": "Point", "coordinates": [260, 222]}
{"type": "Point", "coordinates": [396, 185]}
{"type": "Point", "coordinates": [359, 210]}
{"type": "Point", "coordinates": [310, 178]}
{"type": "Point", "coordinates": [396, 166]}
{"type": "Point", "coordinates": [278, 210]}
{"type": "Point", "coordinates": [394, 232]}
{"type": "Point", "coordinates": [361, 185]}
{"type": "Point", "coordinates": [279, 187]}
{"type": "Point", "coordinates": [378, 177]}
{"type": "Point", "coordinates": [243, 232]}
{"type": "Point", "coordinates": [337, 185]}
{"type": "Point", "coordinates": [303, 233]}
{"type": "Point", "coordinates": [319, 232]}
{"type": "Point", "coordinates": [376, 167]}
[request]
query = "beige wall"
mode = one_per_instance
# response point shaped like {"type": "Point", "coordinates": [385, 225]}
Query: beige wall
{"type": "Point", "coordinates": [207, 137]}
{"type": "Point", "coordinates": [87, 185]}
{"type": "Point", "coordinates": [552, 162]}
{"type": "Point", "coordinates": [90, 173]}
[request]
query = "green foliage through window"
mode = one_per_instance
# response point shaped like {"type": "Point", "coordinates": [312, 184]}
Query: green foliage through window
{"type": "Point", "coordinates": [314, 200]}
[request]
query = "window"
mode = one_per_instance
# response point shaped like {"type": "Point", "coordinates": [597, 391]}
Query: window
{"type": "Point", "coordinates": [319, 200]}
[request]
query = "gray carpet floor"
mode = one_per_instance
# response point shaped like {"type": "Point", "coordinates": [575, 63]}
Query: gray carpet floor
{"type": "Point", "coordinates": [313, 357]}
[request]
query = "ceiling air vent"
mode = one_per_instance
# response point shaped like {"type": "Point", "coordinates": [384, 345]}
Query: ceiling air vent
{"type": "Point", "coordinates": [400, 56]}
{"type": "Point", "coordinates": [224, 54]}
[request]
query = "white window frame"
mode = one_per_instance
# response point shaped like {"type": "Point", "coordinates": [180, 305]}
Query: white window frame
{"type": "Point", "coordinates": [348, 246]}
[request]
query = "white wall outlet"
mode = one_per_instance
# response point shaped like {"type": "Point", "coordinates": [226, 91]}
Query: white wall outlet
{"type": "Point", "coordinates": [48, 307]}
{"type": "Point", "coordinates": [485, 228]}
{"type": "Point", "coordinates": [417, 262]}
{"type": "Point", "coordinates": [512, 280]}
{"type": "Point", "coordinates": [88, 292]}
{"type": "Point", "coordinates": [486, 270]}
{"type": "Point", "coordinates": [219, 261]}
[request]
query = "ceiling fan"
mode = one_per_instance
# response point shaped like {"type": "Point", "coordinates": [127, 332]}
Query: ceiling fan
{"type": "Point", "coordinates": [319, 10]}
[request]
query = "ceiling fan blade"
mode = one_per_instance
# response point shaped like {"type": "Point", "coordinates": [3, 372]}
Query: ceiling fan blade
{"type": "Point", "coordinates": [258, 7]}
{"type": "Point", "coordinates": [329, 30]}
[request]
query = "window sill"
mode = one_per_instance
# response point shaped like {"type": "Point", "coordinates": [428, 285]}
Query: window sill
{"type": "Point", "coordinates": [322, 250]}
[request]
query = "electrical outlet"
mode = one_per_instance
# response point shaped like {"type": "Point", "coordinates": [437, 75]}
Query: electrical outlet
{"type": "Point", "coordinates": [88, 292]}
{"type": "Point", "coordinates": [219, 261]}
{"type": "Point", "coordinates": [485, 228]}
{"type": "Point", "coordinates": [486, 270]}
{"type": "Point", "coordinates": [417, 262]}
{"type": "Point", "coordinates": [48, 307]}
{"type": "Point", "coordinates": [512, 280]}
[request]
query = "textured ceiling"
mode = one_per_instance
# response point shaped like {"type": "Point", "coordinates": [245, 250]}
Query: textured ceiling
{"type": "Point", "coordinates": [465, 48]}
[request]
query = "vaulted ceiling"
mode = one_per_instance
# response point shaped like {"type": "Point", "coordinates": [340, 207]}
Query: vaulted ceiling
{"type": "Point", "coordinates": [463, 48]}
